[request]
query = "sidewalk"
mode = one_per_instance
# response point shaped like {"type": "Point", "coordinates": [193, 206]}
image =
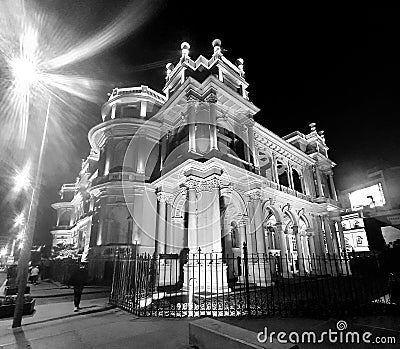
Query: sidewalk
{"type": "Point", "coordinates": [49, 288]}
{"type": "Point", "coordinates": [57, 311]}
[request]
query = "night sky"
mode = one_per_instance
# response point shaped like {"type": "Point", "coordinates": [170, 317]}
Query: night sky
{"type": "Point", "coordinates": [338, 67]}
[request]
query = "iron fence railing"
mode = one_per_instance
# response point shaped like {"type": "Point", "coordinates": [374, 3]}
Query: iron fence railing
{"type": "Point", "coordinates": [217, 284]}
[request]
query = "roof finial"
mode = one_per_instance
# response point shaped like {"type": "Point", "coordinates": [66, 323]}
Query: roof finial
{"type": "Point", "coordinates": [312, 126]}
{"type": "Point", "coordinates": [217, 47]}
{"type": "Point", "coordinates": [239, 64]}
{"type": "Point", "coordinates": [170, 67]}
{"type": "Point", "coordinates": [185, 49]}
{"type": "Point", "coordinates": [321, 134]}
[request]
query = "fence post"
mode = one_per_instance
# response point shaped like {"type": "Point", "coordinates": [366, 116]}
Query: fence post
{"type": "Point", "coordinates": [114, 276]}
{"type": "Point", "coordinates": [246, 277]}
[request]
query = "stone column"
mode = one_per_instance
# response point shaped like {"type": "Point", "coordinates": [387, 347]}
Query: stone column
{"type": "Point", "coordinates": [169, 233]}
{"type": "Point", "coordinates": [318, 236]}
{"type": "Point", "coordinates": [312, 244]}
{"type": "Point", "coordinates": [281, 236]}
{"type": "Point", "coordinates": [300, 250]}
{"type": "Point", "coordinates": [178, 234]}
{"type": "Point", "coordinates": [331, 263]}
{"type": "Point", "coordinates": [333, 188]}
{"type": "Point", "coordinates": [341, 235]}
{"type": "Point", "coordinates": [242, 232]}
{"type": "Point", "coordinates": [319, 183]}
{"type": "Point", "coordinates": [290, 174]}
{"type": "Point", "coordinates": [250, 131]}
{"type": "Point", "coordinates": [250, 232]}
{"type": "Point", "coordinates": [163, 148]}
{"type": "Point", "coordinates": [161, 218]}
{"type": "Point", "coordinates": [255, 197]}
{"type": "Point", "coordinates": [303, 189]}
{"type": "Point", "coordinates": [334, 238]}
{"type": "Point", "coordinates": [167, 274]}
{"type": "Point", "coordinates": [245, 137]}
{"type": "Point", "coordinates": [192, 124]}
{"type": "Point", "coordinates": [328, 236]}
{"type": "Point", "coordinates": [312, 255]}
{"type": "Point", "coordinates": [192, 213]}
{"type": "Point", "coordinates": [216, 216]}
{"type": "Point", "coordinates": [212, 100]}
{"type": "Point", "coordinates": [259, 268]}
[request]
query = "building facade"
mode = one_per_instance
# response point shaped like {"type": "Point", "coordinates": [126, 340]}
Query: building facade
{"type": "Point", "coordinates": [375, 201]}
{"type": "Point", "coordinates": [190, 169]}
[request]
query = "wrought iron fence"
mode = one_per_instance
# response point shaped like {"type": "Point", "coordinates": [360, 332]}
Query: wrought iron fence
{"type": "Point", "coordinates": [216, 284]}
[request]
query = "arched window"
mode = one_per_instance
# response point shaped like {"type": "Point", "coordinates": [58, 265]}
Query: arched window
{"type": "Point", "coordinates": [269, 233]}
{"type": "Point", "coordinates": [282, 174]}
{"type": "Point", "coordinates": [297, 181]}
{"type": "Point", "coordinates": [265, 162]}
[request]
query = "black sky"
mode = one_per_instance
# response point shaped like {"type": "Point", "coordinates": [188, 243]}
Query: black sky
{"type": "Point", "coordinates": [336, 66]}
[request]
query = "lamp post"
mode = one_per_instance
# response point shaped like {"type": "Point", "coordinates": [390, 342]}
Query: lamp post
{"type": "Point", "coordinates": [26, 73]}
{"type": "Point", "coordinates": [23, 262]}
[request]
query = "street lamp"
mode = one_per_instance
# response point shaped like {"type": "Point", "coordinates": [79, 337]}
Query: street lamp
{"type": "Point", "coordinates": [26, 74]}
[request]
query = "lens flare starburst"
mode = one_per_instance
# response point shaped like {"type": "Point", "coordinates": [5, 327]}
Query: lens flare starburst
{"type": "Point", "coordinates": [41, 55]}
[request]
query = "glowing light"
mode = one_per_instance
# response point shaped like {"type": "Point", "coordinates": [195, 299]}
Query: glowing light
{"type": "Point", "coordinates": [22, 179]}
{"type": "Point", "coordinates": [39, 57]}
{"type": "Point", "coordinates": [3, 252]}
{"type": "Point", "coordinates": [362, 197]}
{"type": "Point", "coordinates": [21, 244]}
{"type": "Point", "coordinates": [25, 72]}
{"type": "Point", "coordinates": [20, 219]}
{"type": "Point", "coordinates": [20, 235]}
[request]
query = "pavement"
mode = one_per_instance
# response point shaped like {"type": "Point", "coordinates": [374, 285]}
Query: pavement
{"type": "Point", "coordinates": [48, 288]}
{"type": "Point", "coordinates": [54, 324]}
{"type": "Point", "coordinates": [109, 329]}
{"type": "Point", "coordinates": [61, 306]}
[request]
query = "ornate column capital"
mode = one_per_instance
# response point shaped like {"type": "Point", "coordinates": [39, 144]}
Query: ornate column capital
{"type": "Point", "coordinates": [209, 185]}
{"type": "Point", "coordinates": [254, 194]}
{"type": "Point", "coordinates": [278, 227]}
{"type": "Point", "coordinates": [163, 196]}
{"type": "Point", "coordinates": [202, 185]}
{"type": "Point", "coordinates": [211, 98]}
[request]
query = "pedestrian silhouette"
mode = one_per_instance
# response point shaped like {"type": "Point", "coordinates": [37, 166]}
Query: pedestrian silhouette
{"type": "Point", "coordinates": [78, 279]}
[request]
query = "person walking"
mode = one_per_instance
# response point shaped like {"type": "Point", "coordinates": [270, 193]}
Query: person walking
{"type": "Point", "coordinates": [35, 275]}
{"type": "Point", "coordinates": [78, 279]}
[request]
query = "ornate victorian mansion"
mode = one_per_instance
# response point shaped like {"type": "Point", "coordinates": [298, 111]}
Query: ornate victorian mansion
{"type": "Point", "coordinates": [190, 169]}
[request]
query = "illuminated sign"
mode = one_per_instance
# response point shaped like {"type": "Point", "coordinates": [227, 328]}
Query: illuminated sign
{"type": "Point", "coordinates": [370, 196]}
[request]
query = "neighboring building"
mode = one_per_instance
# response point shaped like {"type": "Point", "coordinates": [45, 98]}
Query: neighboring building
{"type": "Point", "coordinates": [191, 168]}
{"type": "Point", "coordinates": [376, 201]}
{"type": "Point", "coordinates": [354, 232]}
